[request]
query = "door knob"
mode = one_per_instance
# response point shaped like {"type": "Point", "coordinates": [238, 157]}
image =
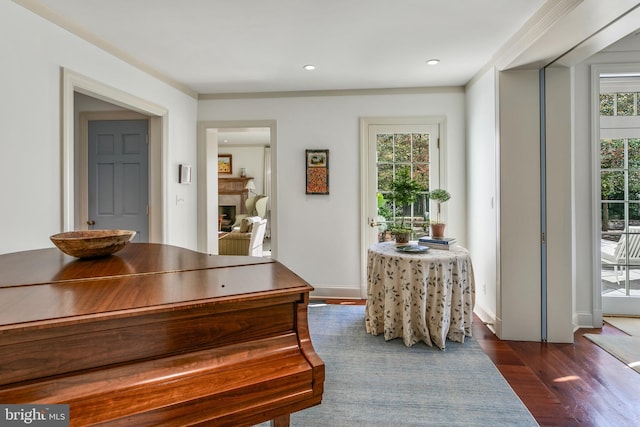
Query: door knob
{"type": "Point", "coordinates": [91, 222]}
{"type": "Point", "coordinates": [373, 224]}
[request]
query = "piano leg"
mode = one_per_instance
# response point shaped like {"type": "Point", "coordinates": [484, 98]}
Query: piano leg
{"type": "Point", "coordinates": [281, 421]}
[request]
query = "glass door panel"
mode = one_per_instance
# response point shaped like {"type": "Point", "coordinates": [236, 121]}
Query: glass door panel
{"type": "Point", "coordinates": [396, 151]}
{"type": "Point", "coordinates": [620, 219]}
{"type": "Point", "coordinates": [392, 148]}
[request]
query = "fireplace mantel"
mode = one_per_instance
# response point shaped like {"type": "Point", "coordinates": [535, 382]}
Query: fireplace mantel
{"type": "Point", "coordinates": [235, 187]}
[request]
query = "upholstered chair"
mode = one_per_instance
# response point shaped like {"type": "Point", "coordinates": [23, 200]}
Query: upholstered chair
{"type": "Point", "coordinates": [246, 240]}
{"type": "Point", "coordinates": [256, 206]}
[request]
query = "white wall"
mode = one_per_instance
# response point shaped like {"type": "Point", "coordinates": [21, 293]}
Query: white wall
{"type": "Point", "coordinates": [33, 52]}
{"type": "Point", "coordinates": [319, 236]}
{"type": "Point", "coordinates": [251, 158]}
{"type": "Point", "coordinates": [481, 190]}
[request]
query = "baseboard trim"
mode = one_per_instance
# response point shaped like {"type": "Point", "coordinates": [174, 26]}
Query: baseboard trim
{"type": "Point", "coordinates": [335, 292]}
{"type": "Point", "coordinates": [585, 319]}
{"type": "Point", "coordinates": [488, 317]}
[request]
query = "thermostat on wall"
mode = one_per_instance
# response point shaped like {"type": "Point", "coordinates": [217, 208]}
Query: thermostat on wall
{"type": "Point", "coordinates": [184, 174]}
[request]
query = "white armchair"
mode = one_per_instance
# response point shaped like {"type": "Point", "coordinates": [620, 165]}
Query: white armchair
{"type": "Point", "coordinates": [256, 206]}
{"type": "Point", "coordinates": [247, 240]}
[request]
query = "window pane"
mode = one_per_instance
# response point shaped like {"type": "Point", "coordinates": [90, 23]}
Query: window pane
{"type": "Point", "coordinates": [385, 176]}
{"type": "Point", "coordinates": [612, 185]}
{"type": "Point", "coordinates": [612, 218]}
{"type": "Point", "coordinates": [403, 147]}
{"type": "Point", "coordinates": [420, 207]}
{"type": "Point", "coordinates": [606, 104]}
{"type": "Point", "coordinates": [634, 185]}
{"type": "Point", "coordinates": [633, 147]}
{"type": "Point", "coordinates": [611, 153]}
{"type": "Point", "coordinates": [421, 174]}
{"type": "Point", "coordinates": [421, 147]}
{"type": "Point", "coordinates": [625, 103]}
{"type": "Point", "coordinates": [634, 217]}
{"type": "Point", "coordinates": [385, 147]}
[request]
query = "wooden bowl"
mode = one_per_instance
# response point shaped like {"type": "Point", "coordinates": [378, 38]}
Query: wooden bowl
{"type": "Point", "coordinates": [92, 243]}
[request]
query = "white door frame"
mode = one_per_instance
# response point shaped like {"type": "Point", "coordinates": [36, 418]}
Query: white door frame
{"type": "Point", "coordinates": [630, 305]}
{"type": "Point", "coordinates": [74, 82]}
{"type": "Point", "coordinates": [208, 180]}
{"type": "Point", "coordinates": [365, 178]}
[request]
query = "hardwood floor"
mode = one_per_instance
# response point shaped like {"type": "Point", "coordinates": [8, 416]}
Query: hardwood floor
{"type": "Point", "coordinates": [575, 384]}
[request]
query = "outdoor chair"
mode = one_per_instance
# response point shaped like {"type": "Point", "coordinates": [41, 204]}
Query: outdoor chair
{"type": "Point", "coordinates": [628, 241]}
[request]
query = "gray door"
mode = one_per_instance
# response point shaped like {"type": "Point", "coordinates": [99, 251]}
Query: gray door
{"type": "Point", "coordinates": [118, 176]}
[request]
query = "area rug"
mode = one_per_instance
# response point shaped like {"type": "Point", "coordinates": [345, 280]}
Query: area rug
{"type": "Point", "coordinates": [624, 348]}
{"type": "Point", "coordinates": [629, 325]}
{"type": "Point", "coordinates": [370, 382]}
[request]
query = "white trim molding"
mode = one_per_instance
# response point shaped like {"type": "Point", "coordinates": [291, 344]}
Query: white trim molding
{"type": "Point", "coordinates": [75, 82]}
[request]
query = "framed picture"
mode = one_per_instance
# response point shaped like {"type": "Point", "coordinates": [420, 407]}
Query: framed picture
{"type": "Point", "coordinates": [317, 166]}
{"type": "Point", "coordinates": [224, 164]}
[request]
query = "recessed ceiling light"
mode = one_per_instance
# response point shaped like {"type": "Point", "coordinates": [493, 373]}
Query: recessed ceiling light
{"type": "Point", "coordinates": [433, 61]}
{"type": "Point", "coordinates": [309, 67]}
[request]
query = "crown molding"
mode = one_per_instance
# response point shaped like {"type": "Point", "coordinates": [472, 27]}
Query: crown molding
{"type": "Point", "coordinates": [335, 92]}
{"type": "Point", "coordinates": [39, 9]}
{"type": "Point", "coordinates": [542, 21]}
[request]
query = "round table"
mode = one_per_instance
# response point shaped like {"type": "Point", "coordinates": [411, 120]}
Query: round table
{"type": "Point", "coordinates": [419, 296]}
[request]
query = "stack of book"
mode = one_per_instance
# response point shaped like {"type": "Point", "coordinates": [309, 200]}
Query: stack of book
{"type": "Point", "coordinates": [442, 243]}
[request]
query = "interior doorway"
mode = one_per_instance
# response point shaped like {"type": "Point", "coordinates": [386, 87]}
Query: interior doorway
{"type": "Point", "coordinates": [252, 147]}
{"type": "Point", "coordinates": [118, 178]}
{"type": "Point", "coordinates": [89, 111]}
{"type": "Point", "coordinates": [73, 199]}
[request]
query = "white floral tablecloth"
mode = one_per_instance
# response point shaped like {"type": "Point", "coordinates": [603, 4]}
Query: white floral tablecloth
{"type": "Point", "coordinates": [420, 297]}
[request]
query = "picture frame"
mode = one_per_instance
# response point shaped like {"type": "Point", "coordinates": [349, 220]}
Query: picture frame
{"type": "Point", "coordinates": [225, 164]}
{"type": "Point", "coordinates": [317, 171]}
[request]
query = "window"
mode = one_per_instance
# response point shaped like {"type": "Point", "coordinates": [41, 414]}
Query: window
{"type": "Point", "coordinates": [619, 104]}
{"type": "Point", "coordinates": [395, 151]}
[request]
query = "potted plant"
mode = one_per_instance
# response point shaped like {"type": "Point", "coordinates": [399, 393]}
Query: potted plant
{"type": "Point", "coordinates": [404, 191]}
{"type": "Point", "coordinates": [439, 196]}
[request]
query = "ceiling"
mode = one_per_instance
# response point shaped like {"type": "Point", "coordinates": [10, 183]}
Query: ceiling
{"type": "Point", "coordinates": [248, 46]}
{"type": "Point", "coordinates": [251, 137]}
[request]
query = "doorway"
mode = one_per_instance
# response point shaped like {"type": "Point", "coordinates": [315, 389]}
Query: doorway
{"type": "Point", "coordinates": [388, 145]}
{"type": "Point", "coordinates": [86, 217]}
{"type": "Point", "coordinates": [617, 155]}
{"type": "Point", "coordinates": [118, 179]}
{"type": "Point", "coordinates": [74, 197]}
{"type": "Point", "coordinates": [253, 147]}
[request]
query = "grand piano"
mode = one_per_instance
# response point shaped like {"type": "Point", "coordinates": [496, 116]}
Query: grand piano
{"type": "Point", "coordinates": [157, 335]}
